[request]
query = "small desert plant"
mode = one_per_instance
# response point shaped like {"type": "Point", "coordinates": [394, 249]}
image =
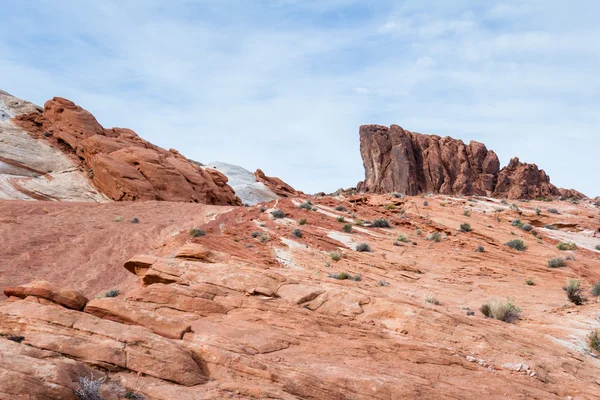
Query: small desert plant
{"type": "Point", "coordinates": [594, 340]}
{"type": "Point", "coordinates": [363, 247]}
{"type": "Point", "coordinates": [340, 219]}
{"type": "Point", "coordinates": [112, 293]}
{"type": "Point", "coordinates": [15, 338]}
{"type": "Point", "coordinates": [425, 203]}
{"type": "Point", "coordinates": [195, 232]}
{"type": "Point", "coordinates": [398, 195]}
{"type": "Point", "coordinates": [347, 228]}
{"type": "Point", "coordinates": [501, 311]}
{"type": "Point", "coordinates": [563, 246]}
{"type": "Point", "coordinates": [538, 211]}
{"type": "Point", "coordinates": [596, 289]}
{"type": "Point", "coordinates": [302, 221]}
{"type": "Point", "coordinates": [264, 238]}
{"type": "Point", "coordinates": [553, 210]}
{"type": "Point", "coordinates": [341, 276]}
{"type": "Point", "coordinates": [435, 237]}
{"type": "Point", "coordinates": [133, 396]}
{"type": "Point", "coordinates": [516, 222]}
{"type": "Point", "coordinates": [418, 232]}
{"type": "Point", "coordinates": [390, 206]}
{"type": "Point", "coordinates": [597, 247]}
{"type": "Point", "coordinates": [402, 238]}
{"type": "Point", "coordinates": [118, 219]}
{"type": "Point", "coordinates": [383, 283]}
{"type": "Point", "coordinates": [557, 262]}
{"type": "Point", "coordinates": [573, 289]}
{"type": "Point", "coordinates": [335, 256]}
{"type": "Point", "coordinates": [504, 202]}
{"type": "Point", "coordinates": [359, 222]}
{"type": "Point", "coordinates": [340, 208]}
{"type": "Point", "coordinates": [514, 206]}
{"type": "Point", "coordinates": [381, 223]}
{"type": "Point", "coordinates": [480, 249]}
{"type": "Point", "coordinates": [467, 213]}
{"type": "Point", "coordinates": [305, 206]}
{"type": "Point", "coordinates": [529, 282]}
{"type": "Point", "coordinates": [432, 300]}
{"type": "Point", "coordinates": [262, 209]}
{"type": "Point", "coordinates": [551, 227]}
{"type": "Point", "coordinates": [357, 278]}
{"type": "Point", "coordinates": [516, 244]}
{"type": "Point", "coordinates": [135, 220]}
{"type": "Point", "coordinates": [297, 233]}
{"type": "Point", "coordinates": [278, 214]}
{"type": "Point", "coordinates": [527, 228]}
{"type": "Point", "coordinates": [465, 227]}
{"type": "Point", "coordinates": [255, 234]}
{"type": "Point", "coordinates": [89, 388]}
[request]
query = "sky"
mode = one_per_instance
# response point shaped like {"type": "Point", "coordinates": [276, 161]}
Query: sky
{"type": "Point", "coordinates": [284, 85]}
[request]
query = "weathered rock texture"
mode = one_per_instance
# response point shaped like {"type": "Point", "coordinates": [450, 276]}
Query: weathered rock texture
{"type": "Point", "coordinates": [120, 164]}
{"type": "Point", "coordinates": [396, 160]}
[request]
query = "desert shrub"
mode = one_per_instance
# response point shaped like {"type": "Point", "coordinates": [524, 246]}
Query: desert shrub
{"type": "Point", "coordinates": [262, 209]}
{"type": "Point", "coordinates": [467, 213]}
{"type": "Point", "coordinates": [363, 247]}
{"type": "Point", "coordinates": [418, 232]}
{"type": "Point", "coordinates": [596, 289]}
{"type": "Point", "coordinates": [502, 311]}
{"type": "Point", "coordinates": [529, 282]}
{"type": "Point", "coordinates": [340, 219]}
{"type": "Point", "coordinates": [574, 293]}
{"type": "Point", "coordinates": [340, 208]}
{"type": "Point", "coordinates": [335, 256]}
{"type": "Point", "coordinates": [442, 204]}
{"type": "Point", "coordinates": [504, 202]}
{"type": "Point", "coordinates": [432, 300]}
{"type": "Point", "coordinates": [302, 221]}
{"type": "Point", "coordinates": [118, 218]}
{"type": "Point", "coordinates": [570, 258]}
{"type": "Point", "coordinates": [135, 220]}
{"type": "Point", "coordinates": [398, 195]}
{"type": "Point", "coordinates": [465, 227]}
{"type": "Point", "coordinates": [551, 227]}
{"type": "Point", "coordinates": [89, 388]}
{"type": "Point", "coordinates": [383, 283]}
{"type": "Point", "coordinates": [402, 238]}
{"type": "Point", "coordinates": [195, 232]}
{"type": "Point", "coordinates": [516, 244]}
{"type": "Point", "coordinates": [359, 222]}
{"type": "Point", "coordinates": [297, 233]}
{"type": "Point", "coordinates": [480, 249]}
{"type": "Point", "coordinates": [553, 210]}
{"type": "Point", "coordinates": [527, 228]}
{"type": "Point", "coordinates": [425, 203]}
{"type": "Point", "coordinates": [305, 206]}
{"type": "Point", "coordinates": [264, 238]}
{"type": "Point", "coordinates": [133, 396]}
{"type": "Point", "coordinates": [594, 340]}
{"type": "Point", "coordinates": [381, 223]}
{"type": "Point", "coordinates": [255, 234]}
{"type": "Point", "coordinates": [557, 262]}
{"type": "Point", "coordinates": [435, 237]}
{"type": "Point", "coordinates": [357, 278]}
{"type": "Point", "coordinates": [597, 247]}
{"type": "Point", "coordinates": [516, 222]}
{"type": "Point", "coordinates": [112, 293]}
{"type": "Point", "coordinates": [347, 228]}
{"type": "Point", "coordinates": [15, 338]}
{"type": "Point", "coordinates": [563, 246]}
{"type": "Point", "coordinates": [538, 211]}
{"type": "Point", "coordinates": [390, 206]}
{"type": "Point", "coordinates": [514, 206]}
{"type": "Point", "coordinates": [341, 276]}
{"type": "Point", "coordinates": [278, 214]}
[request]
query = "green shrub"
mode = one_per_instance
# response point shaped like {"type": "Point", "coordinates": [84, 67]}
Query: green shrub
{"type": "Point", "coordinates": [418, 232]}
{"type": "Point", "coordinates": [425, 203]}
{"type": "Point", "coordinates": [435, 237]}
{"type": "Point", "coordinates": [538, 211]}
{"type": "Point", "coordinates": [112, 293]}
{"type": "Point", "coordinates": [529, 282]}
{"type": "Point", "coordinates": [551, 227]}
{"type": "Point", "coordinates": [502, 311]}
{"type": "Point", "coordinates": [596, 289]}
{"type": "Point", "coordinates": [264, 238]}
{"type": "Point", "coordinates": [344, 275]}
{"type": "Point", "coordinates": [594, 341]}
{"type": "Point", "coordinates": [305, 206]}
{"type": "Point", "coordinates": [480, 249]}
{"type": "Point", "coordinates": [118, 219]}
{"type": "Point", "coordinates": [563, 246]}
{"type": "Point", "coordinates": [335, 256]}
{"type": "Point", "coordinates": [262, 209]}
{"type": "Point", "coordinates": [514, 206]}
{"type": "Point", "coordinates": [196, 232]}
{"type": "Point", "coordinates": [597, 247]}
{"type": "Point", "coordinates": [363, 247]}
{"type": "Point", "coordinates": [278, 214]}
{"type": "Point", "coordinates": [390, 206]}
{"type": "Point", "coordinates": [402, 238]}
{"type": "Point", "coordinates": [340, 219]}
{"type": "Point", "coordinates": [467, 213]}
{"type": "Point", "coordinates": [504, 202]}
{"type": "Point", "coordinates": [381, 223]}
{"type": "Point", "coordinates": [527, 228]}
{"type": "Point", "coordinates": [340, 208]}
{"type": "Point", "coordinates": [553, 210]}
{"type": "Point", "coordinates": [516, 244]}
{"type": "Point", "coordinates": [465, 227]}
{"type": "Point", "coordinates": [432, 300]}
{"type": "Point", "coordinates": [347, 228]}
{"type": "Point", "coordinates": [516, 222]}
{"type": "Point", "coordinates": [383, 283]}
{"type": "Point", "coordinates": [297, 233]}
{"type": "Point", "coordinates": [135, 220]}
{"type": "Point", "coordinates": [574, 293]}
{"type": "Point", "coordinates": [302, 221]}
{"type": "Point", "coordinates": [557, 262]}
{"type": "Point", "coordinates": [359, 222]}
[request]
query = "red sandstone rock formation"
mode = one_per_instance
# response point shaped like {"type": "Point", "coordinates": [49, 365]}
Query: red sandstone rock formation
{"type": "Point", "coordinates": [276, 185]}
{"type": "Point", "coordinates": [122, 165]}
{"type": "Point", "coordinates": [396, 160]}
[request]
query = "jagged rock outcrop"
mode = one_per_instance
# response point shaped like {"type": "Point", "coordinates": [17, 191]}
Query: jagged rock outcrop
{"type": "Point", "coordinates": [113, 163]}
{"type": "Point", "coordinates": [396, 160]}
{"type": "Point", "coordinates": [276, 185]}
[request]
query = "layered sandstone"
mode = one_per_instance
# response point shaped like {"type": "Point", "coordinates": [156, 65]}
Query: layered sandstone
{"type": "Point", "coordinates": [396, 160]}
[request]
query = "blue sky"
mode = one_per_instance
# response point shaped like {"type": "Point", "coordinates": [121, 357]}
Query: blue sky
{"type": "Point", "coordinates": [283, 85]}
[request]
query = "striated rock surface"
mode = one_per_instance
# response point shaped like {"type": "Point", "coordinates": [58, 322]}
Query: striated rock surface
{"type": "Point", "coordinates": [106, 163]}
{"type": "Point", "coordinates": [396, 160]}
{"type": "Point", "coordinates": [68, 298]}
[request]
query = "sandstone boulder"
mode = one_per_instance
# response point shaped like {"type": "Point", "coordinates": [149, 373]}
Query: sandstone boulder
{"type": "Point", "coordinates": [65, 297]}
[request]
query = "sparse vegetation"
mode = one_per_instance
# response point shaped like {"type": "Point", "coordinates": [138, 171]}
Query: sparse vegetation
{"type": "Point", "coordinates": [425, 203]}
{"type": "Point", "coordinates": [402, 238]}
{"type": "Point", "coordinates": [255, 234]}
{"type": "Point", "coordinates": [135, 220]}
{"type": "Point", "coordinates": [340, 219]}
{"type": "Point", "coordinates": [381, 223]}
{"type": "Point", "coordinates": [335, 256]}
{"type": "Point", "coordinates": [551, 227]}
{"type": "Point", "coordinates": [112, 293]}
{"type": "Point", "coordinates": [574, 293]}
{"type": "Point", "coordinates": [516, 222]}
{"type": "Point", "coordinates": [538, 211]}
{"type": "Point", "coordinates": [264, 238]}
{"type": "Point", "coordinates": [432, 300]}
{"type": "Point", "coordinates": [502, 311]}
{"type": "Point", "coordinates": [302, 221]}
{"type": "Point", "coordinates": [195, 232]}
{"type": "Point", "coordinates": [344, 275]}
{"type": "Point", "coordinates": [278, 214]}
{"type": "Point", "coordinates": [553, 210]}
{"type": "Point", "coordinates": [480, 249]}
{"type": "Point", "coordinates": [359, 222]}
{"type": "Point", "coordinates": [363, 247]}
{"type": "Point", "coordinates": [516, 244]}
{"type": "Point", "coordinates": [418, 232]}
{"type": "Point", "coordinates": [467, 213]}
{"type": "Point", "coordinates": [118, 218]}
{"type": "Point", "coordinates": [504, 202]}
{"type": "Point", "coordinates": [305, 206]}
{"type": "Point", "coordinates": [596, 289]}
{"type": "Point", "coordinates": [347, 228]}
{"type": "Point", "coordinates": [594, 341]}
{"type": "Point", "coordinates": [465, 227]}
{"type": "Point", "coordinates": [89, 388]}
{"type": "Point", "coordinates": [390, 206]}
{"type": "Point", "coordinates": [557, 262]}
{"type": "Point", "coordinates": [297, 233]}
{"type": "Point", "coordinates": [563, 246]}
{"type": "Point", "coordinates": [597, 247]}
{"type": "Point", "coordinates": [514, 206]}
{"type": "Point", "coordinates": [435, 237]}
{"type": "Point", "coordinates": [527, 228]}
{"type": "Point", "coordinates": [383, 283]}
{"type": "Point", "coordinates": [340, 208]}
{"type": "Point", "coordinates": [262, 209]}
{"type": "Point", "coordinates": [529, 282]}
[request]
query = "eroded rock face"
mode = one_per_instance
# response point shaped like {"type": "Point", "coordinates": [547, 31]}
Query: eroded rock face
{"type": "Point", "coordinates": [276, 185]}
{"type": "Point", "coordinates": [396, 160]}
{"type": "Point", "coordinates": [119, 163]}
